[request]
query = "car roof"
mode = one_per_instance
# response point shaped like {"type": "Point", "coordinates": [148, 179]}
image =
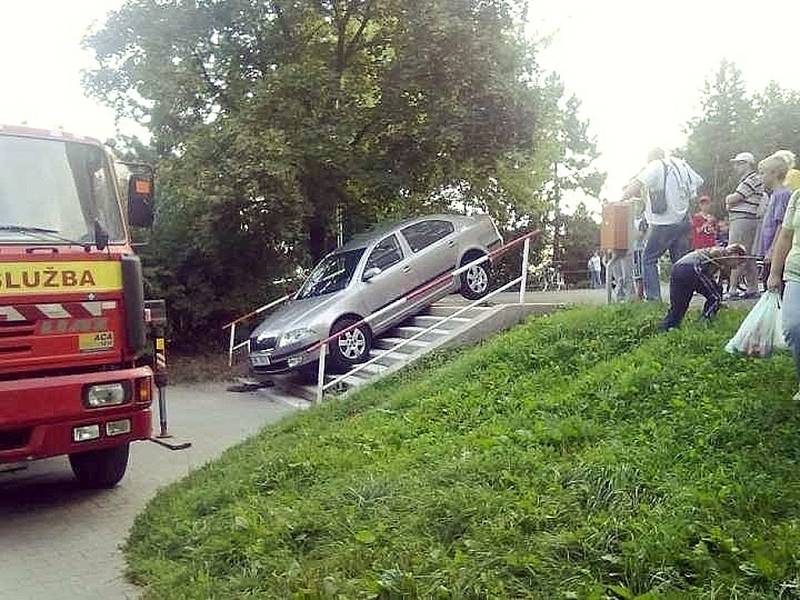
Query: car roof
{"type": "Point", "coordinates": [363, 240]}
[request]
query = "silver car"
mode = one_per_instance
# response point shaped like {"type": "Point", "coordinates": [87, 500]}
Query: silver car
{"type": "Point", "coordinates": [367, 275]}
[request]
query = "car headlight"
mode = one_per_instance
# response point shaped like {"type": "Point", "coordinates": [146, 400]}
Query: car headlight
{"type": "Point", "coordinates": [294, 336]}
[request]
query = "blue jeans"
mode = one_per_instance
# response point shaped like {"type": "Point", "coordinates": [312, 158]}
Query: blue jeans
{"type": "Point", "coordinates": [661, 238]}
{"type": "Point", "coordinates": [790, 314]}
{"type": "Point", "coordinates": [596, 283]}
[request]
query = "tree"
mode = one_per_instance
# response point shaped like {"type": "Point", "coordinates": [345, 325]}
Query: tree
{"type": "Point", "coordinates": [721, 131]}
{"type": "Point", "coordinates": [581, 239]}
{"type": "Point", "coordinates": [733, 120]}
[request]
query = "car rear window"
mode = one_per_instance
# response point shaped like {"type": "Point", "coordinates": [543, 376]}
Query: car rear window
{"type": "Point", "coordinates": [423, 234]}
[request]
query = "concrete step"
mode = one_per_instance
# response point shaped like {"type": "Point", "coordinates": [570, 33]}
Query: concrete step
{"type": "Point", "coordinates": [390, 359]}
{"type": "Point", "coordinates": [445, 310]}
{"type": "Point", "coordinates": [428, 320]}
{"type": "Point", "coordinates": [389, 343]}
{"type": "Point", "coordinates": [407, 331]}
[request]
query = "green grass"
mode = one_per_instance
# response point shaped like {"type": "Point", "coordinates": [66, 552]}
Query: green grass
{"type": "Point", "coordinates": [577, 456]}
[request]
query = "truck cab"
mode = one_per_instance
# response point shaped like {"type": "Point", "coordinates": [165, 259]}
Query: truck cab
{"type": "Point", "coordinates": [72, 315]}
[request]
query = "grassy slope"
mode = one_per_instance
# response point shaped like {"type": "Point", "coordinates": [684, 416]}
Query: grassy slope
{"type": "Point", "coordinates": [576, 456]}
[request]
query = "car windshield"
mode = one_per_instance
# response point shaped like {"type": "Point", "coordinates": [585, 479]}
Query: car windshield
{"type": "Point", "coordinates": [331, 275]}
{"type": "Point", "coordinates": [52, 191]}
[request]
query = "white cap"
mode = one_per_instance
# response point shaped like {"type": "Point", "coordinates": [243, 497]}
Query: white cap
{"type": "Point", "coordinates": [744, 157]}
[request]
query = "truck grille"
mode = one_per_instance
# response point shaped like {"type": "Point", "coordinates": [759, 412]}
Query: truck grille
{"type": "Point", "coordinates": [14, 438]}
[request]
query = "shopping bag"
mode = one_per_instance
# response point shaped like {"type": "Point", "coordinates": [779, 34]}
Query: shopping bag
{"type": "Point", "coordinates": [761, 332]}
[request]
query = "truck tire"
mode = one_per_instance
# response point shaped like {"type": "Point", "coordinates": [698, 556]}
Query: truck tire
{"type": "Point", "coordinates": [100, 469]}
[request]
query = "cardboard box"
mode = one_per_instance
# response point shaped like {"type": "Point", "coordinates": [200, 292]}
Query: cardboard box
{"type": "Point", "coordinates": [617, 229]}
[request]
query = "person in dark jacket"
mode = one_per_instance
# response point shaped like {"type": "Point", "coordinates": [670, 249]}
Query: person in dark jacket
{"type": "Point", "coordinates": [698, 272]}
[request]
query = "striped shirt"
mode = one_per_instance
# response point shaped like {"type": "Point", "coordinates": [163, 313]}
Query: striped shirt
{"type": "Point", "coordinates": [751, 189]}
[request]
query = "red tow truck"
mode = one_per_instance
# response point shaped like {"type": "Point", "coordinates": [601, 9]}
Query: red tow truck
{"type": "Point", "coordinates": [74, 330]}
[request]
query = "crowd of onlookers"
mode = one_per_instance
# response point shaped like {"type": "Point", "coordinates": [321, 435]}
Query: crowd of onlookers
{"type": "Point", "coordinates": [752, 246]}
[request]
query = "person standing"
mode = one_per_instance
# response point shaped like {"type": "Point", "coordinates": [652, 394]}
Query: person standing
{"type": "Point", "coordinates": [668, 184]}
{"type": "Point", "coordinates": [792, 179]}
{"type": "Point", "coordinates": [786, 268]}
{"type": "Point", "coordinates": [743, 215]}
{"type": "Point", "coordinates": [595, 267]}
{"type": "Point", "coordinates": [773, 170]}
{"type": "Point", "coordinates": [704, 225]}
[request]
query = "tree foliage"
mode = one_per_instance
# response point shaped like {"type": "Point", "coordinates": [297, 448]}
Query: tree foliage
{"type": "Point", "coordinates": [733, 120]}
{"type": "Point", "coordinates": [272, 117]}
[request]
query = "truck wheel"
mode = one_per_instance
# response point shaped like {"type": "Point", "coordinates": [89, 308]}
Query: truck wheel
{"type": "Point", "coordinates": [100, 469]}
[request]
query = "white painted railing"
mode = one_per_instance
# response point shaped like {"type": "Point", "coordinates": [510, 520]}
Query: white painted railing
{"type": "Point", "coordinates": [322, 346]}
{"type": "Point", "coordinates": [232, 345]}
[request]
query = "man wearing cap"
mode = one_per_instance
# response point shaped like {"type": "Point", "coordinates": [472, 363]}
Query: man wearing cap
{"type": "Point", "coordinates": [744, 216]}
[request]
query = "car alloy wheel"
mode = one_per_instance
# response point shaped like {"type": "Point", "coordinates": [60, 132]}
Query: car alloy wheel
{"type": "Point", "coordinates": [353, 344]}
{"type": "Point", "coordinates": [477, 279]}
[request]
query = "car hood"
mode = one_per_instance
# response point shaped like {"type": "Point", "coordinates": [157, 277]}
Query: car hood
{"type": "Point", "coordinates": [295, 314]}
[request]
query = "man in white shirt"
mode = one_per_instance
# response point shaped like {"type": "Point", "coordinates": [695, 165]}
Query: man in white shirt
{"type": "Point", "coordinates": [667, 184]}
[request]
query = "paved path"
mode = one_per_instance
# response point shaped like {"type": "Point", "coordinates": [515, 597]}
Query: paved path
{"type": "Point", "coordinates": [58, 541]}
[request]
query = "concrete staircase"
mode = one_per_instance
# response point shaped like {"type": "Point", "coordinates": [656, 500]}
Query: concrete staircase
{"type": "Point", "coordinates": [293, 390]}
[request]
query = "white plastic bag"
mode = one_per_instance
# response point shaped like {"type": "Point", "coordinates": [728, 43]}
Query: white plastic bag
{"type": "Point", "coordinates": [761, 332]}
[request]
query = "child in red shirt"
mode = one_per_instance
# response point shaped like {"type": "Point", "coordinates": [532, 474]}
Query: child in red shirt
{"type": "Point", "coordinates": [704, 226]}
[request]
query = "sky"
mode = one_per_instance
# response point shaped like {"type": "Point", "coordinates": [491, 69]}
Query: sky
{"type": "Point", "coordinates": [637, 66]}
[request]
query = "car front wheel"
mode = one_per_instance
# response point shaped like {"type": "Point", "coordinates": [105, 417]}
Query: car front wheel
{"type": "Point", "coordinates": [475, 281]}
{"type": "Point", "coordinates": [352, 347]}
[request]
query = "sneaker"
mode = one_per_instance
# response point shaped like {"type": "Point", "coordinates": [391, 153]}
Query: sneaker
{"type": "Point", "coordinates": [733, 296]}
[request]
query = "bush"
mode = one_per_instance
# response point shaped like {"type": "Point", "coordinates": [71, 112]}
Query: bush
{"type": "Point", "coordinates": [577, 456]}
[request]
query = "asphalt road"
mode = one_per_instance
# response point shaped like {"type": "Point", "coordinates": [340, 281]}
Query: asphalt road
{"type": "Point", "coordinates": [58, 541]}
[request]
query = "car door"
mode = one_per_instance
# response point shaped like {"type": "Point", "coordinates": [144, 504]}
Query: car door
{"type": "Point", "coordinates": [397, 277]}
{"type": "Point", "coordinates": [434, 248]}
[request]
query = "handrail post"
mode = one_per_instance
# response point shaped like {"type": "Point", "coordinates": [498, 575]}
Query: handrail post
{"type": "Point", "coordinates": [321, 374]}
{"type": "Point", "coordinates": [230, 344]}
{"type": "Point", "coordinates": [523, 284]}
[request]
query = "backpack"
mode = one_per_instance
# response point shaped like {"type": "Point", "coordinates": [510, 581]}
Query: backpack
{"type": "Point", "coordinates": [658, 198]}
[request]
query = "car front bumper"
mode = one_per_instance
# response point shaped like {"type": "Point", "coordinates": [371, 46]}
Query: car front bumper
{"type": "Point", "coordinates": [281, 361]}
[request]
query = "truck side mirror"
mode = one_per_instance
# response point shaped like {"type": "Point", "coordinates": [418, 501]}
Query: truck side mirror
{"type": "Point", "coordinates": [140, 200]}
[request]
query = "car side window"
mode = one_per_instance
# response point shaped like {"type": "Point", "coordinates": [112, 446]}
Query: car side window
{"type": "Point", "coordinates": [385, 254]}
{"type": "Point", "coordinates": [423, 234]}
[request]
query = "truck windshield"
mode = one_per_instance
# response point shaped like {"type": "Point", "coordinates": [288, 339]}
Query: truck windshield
{"type": "Point", "coordinates": [55, 187]}
{"type": "Point", "coordinates": [331, 275]}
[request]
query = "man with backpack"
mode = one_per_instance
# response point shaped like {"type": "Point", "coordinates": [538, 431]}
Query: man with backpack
{"type": "Point", "coordinates": [667, 185]}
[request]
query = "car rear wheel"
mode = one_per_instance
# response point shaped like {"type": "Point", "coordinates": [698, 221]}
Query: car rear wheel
{"type": "Point", "coordinates": [100, 468]}
{"type": "Point", "coordinates": [351, 347]}
{"type": "Point", "coordinates": [475, 280]}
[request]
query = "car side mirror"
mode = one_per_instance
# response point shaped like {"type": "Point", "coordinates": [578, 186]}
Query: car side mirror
{"type": "Point", "coordinates": [140, 201]}
{"type": "Point", "coordinates": [370, 273]}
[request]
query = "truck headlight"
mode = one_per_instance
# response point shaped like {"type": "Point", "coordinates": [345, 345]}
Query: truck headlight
{"type": "Point", "coordinates": [296, 335]}
{"type": "Point", "coordinates": [105, 394]}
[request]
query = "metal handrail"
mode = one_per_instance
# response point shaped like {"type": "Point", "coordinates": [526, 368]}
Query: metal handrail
{"type": "Point", "coordinates": [406, 341]}
{"type": "Point", "coordinates": [323, 344]}
{"type": "Point", "coordinates": [421, 290]}
{"type": "Point", "coordinates": [232, 345]}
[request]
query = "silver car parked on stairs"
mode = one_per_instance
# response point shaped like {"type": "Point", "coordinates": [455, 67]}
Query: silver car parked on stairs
{"type": "Point", "coordinates": [365, 276]}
